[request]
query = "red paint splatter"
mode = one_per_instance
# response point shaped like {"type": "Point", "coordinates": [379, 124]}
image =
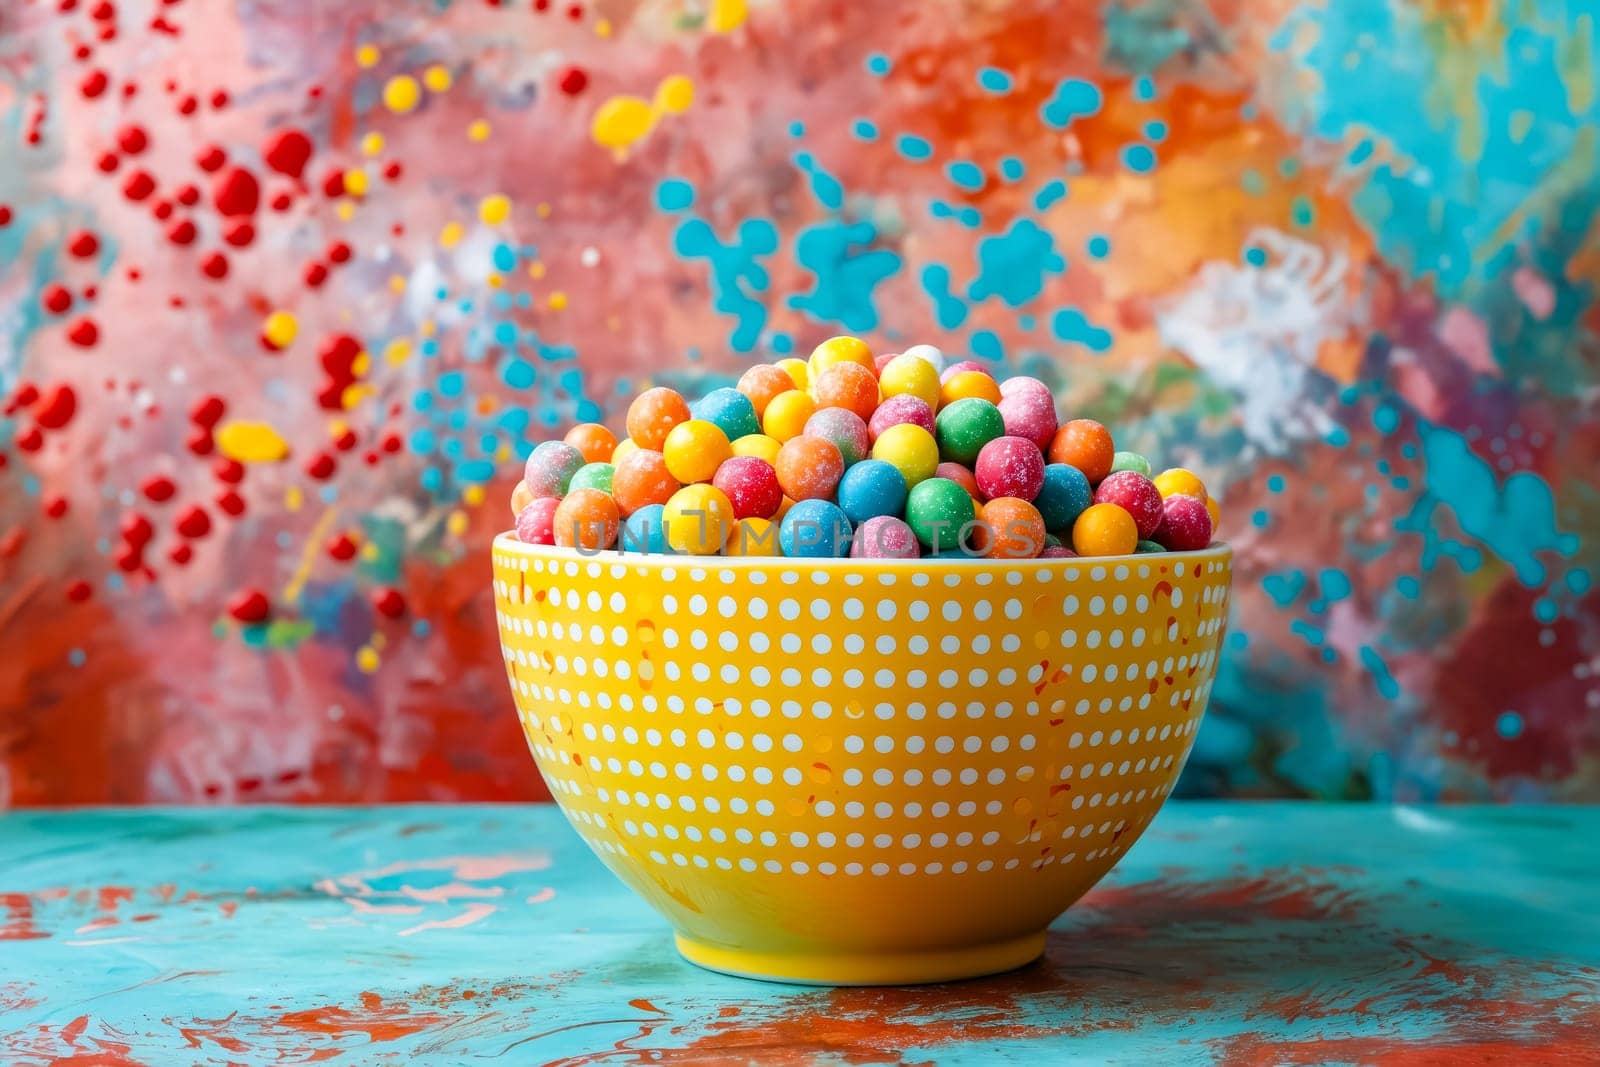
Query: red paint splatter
{"type": "Point", "coordinates": [214, 265]}
{"type": "Point", "coordinates": [84, 333]}
{"type": "Point", "coordinates": [181, 232]}
{"type": "Point", "coordinates": [572, 81]}
{"type": "Point", "coordinates": [239, 234]}
{"type": "Point", "coordinates": [236, 192]}
{"type": "Point", "coordinates": [83, 244]}
{"type": "Point", "coordinates": [342, 548]}
{"type": "Point", "coordinates": [389, 602]}
{"type": "Point", "coordinates": [55, 299]}
{"type": "Point", "coordinates": [249, 606]}
{"type": "Point", "coordinates": [56, 407]}
{"type": "Point", "coordinates": [158, 488]}
{"type": "Point", "coordinates": [138, 185]}
{"type": "Point", "coordinates": [230, 503]}
{"type": "Point", "coordinates": [287, 152]}
{"type": "Point", "coordinates": [94, 83]}
{"type": "Point", "coordinates": [192, 522]}
{"type": "Point", "coordinates": [132, 139]}
{"type": "Point", "coordinates": [210, 158]}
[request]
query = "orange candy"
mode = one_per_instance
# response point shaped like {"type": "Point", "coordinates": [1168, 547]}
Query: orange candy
{"type": "Point", "coordinates": [1085, 444]}
{"type": "Point", "coordinates": [593, 440]}
{"type": "Point", "coordinates": [653, 414]}
{"type": "Point", "coordinates": [587, 519]}
{"type": "Point", "coordinates": [809, 468]}
{"type": "Point", "coordinates": [1104, 530]}
{"type": "Point", "coordinates": [763, 382]}
{"type": "Point", "coordinates": [969, 383]}
{"type": "Point", "coordinates": [1010, 528]}
{"type": "Point", "coordinates": [849, 386]}
{"type": "Point", "coordinates": [642, 478]}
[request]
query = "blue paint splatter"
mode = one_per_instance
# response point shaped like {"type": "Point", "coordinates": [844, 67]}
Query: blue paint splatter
{"type": "Point", "coordinates": [864, 130]}
{"type": "Point", "coordinates": [824, 186]}
{"type": "Point", "coordinates": [965, 175]}
{"type": "Point", "coordinates": [1334, 583]}
{"type": "Point", "coordinates": [1013, 265]}
{"type": "Point", "coordinates": [845, 275]}
{"type": "Point", "coordinates": [734, 267]}
{"type": "Point", "coordinates": [1072, 98]}
{"type": "Point", "coordinates": [518, 373]}
{"type": "Point", "coordinates": [986, 345]}
{"type": "Point", "coordinates": [966, 215]}
{"type": "Point", "coordinates": [1099, 247]}
{"type": "Point", "coordinates": [1155, 130]}
{"type": "Point", "coordinates": [674, 194]}
{"type": "Point", "coordinates": [951, 310]}
{"type": "Point", "coordinates": [1139, 158]}
{"type": "Point", "coordinates": [1388, 688]}
{"type": "Point", "coordinates": [1069, 324]}
{"type": "Point", "coordinates": [1012, 169]}
{"type": "Point", "coordinates": [1508, 725]}
{"type": "Point", "coordinates": [1144, 89]}
{"type": "Point", "coordinates": [1284, 586]}
{"type": "Point", "coordinates": [1049, 193]}
{"type": "Point", "coordinates": [994, 80]}
{"type": "Point", "coordinates": [878, 64]}
{"type": "Point", "coordinates": [917, 149]}
{"type": "Point", "coordinates": [1255, 256]}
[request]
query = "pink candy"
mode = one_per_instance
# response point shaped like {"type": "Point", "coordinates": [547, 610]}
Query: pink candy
{"type": "Point", "coordinates": [1010, 466]}
{"type": "Point", "coordinates": [845, 430]}
{"type": "Point", "coordinates": [536, 523]}
{"type": "Point", "coordinates": [751, 486]}
{"type": "Point", "coordinates": [1185, 524]}
{"type": "Point", "coordinates": [960, 475]}
{"type": "Point", "coordinates": [899, 409]}
{"type": "Point", "coordinates": [1138, 496]}
{"type": "Point", "coordinates": [884, 537]}
{"type": "Point", "coordinates": [1029, 412]}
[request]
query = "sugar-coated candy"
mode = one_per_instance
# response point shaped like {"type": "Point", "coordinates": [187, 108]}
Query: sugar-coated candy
{"type": "Point", "coordinates": [1027, 414]}
{"type": "Point", "coordinates": [763, 382]}
{"type": "Point", "coordinates": [809, 468]}
{"type": "Point", "coordinates": [899, 409]}
{"type": "Point", "coordinates": [624, 446]}
{"type": "Point", "coordinates": [653, 414]}
{"type": "Point", "coordinates": [1021, 383]}
{"type": "Point", "coordinates": [587, 519]}
{"type": "Point", "coordinates": [729, 410]}
{"type": "Point", "coordinates": [521, 497]}
{"type": "Point", "coordinates": [1215, 511]}
{"type": "Point", "coordinates": [815, 529]}
{"type": "Point", "coordinates": [964, 427]}
{"type": "Point", "coordinates": [1009, 467]}
{"type": "Point", "coordinates": [843, 429]}
{"type": "Point", "coordinates": [694, 450]}
{"type": "Point", "coordinates": [871, 489]}
{"type": "Point", "coordinates": [970, 383]}
{"type": "Point", "coordinates": [940, 512]}
{"type": "Point", "coordinates": [593, 476]}
{"type": "Point", "coordinates": [928, 353]}
{"type": "Point", "coordinates": [751, 486]}
{"type": "Point", "coordinates": [643, 531]}
{"type": "Point", "coordinates": [536, 521]}
{"type": "Point", "coordinates": [882, 360]}
{"type": "Point", "coordinates": [698, 520]}
{"type": "Point", "coordinates": [550, 468]}
{"type": "Point", "coordinates": [797, 371]}
{"type": "Point", "coordinates": [964, 366]}
{"type": "Point", "coordinates": [849, 386]}
{"type": "Point", "coordinates": [909, 449]}
{"type": "Point", "coordinates": [1135, 494]}
{"type": "Point", "coordinates": [962, 476]}
{"type": "Point", "coordinates": [641, 478]}
{"type": "Point", "coordinates": [837, 350]}
{"type": "Point", "coordinates": [1176, 481]}
{"type": "Point", "coordinates": [595, 441]}
{"type": "Point", "coordinates": [787, 414]}
{"type": "Point", "coordinates": [908, 375]}
{"type": "Point", "coordinates": [1104, 530]}
{"type": "Point", "coordinates": [1144, 547]}
{"type": "Point", "coordinates": [1062, 497]}
{"type": "Point", "coordinates": [1057, 552]}
{"type": "Point", "coordinates": [754, 537]}
{"type": "Point", "coordinates": [1009, 528]}
{"type": "Point", "coordinates": [758, 445]}
{"type": "Point", "coordinates": [884, 537]}
{"type": "Point", "coordinates": [1130, 461]}
{"type": "Point", "coordinates": [1085, 444]}
{"type": "Point", "coordinates": [1185, 524]}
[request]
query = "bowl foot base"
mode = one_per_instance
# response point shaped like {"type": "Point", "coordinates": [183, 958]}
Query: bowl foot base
{"type": "Point", "coordinates": [866, 968]}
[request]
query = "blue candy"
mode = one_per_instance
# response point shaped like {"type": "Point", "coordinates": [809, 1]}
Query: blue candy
{"type": "Point", "coordinates": [872, 488]}
{"type": "Point", "coordinates": [643, 531]}
{"type": "Point", "coordinates": [1065, 495]}
{"type": "Point", "coordinates": [815, 529]}
{"type": "Point", "coordinates": [730, 410]}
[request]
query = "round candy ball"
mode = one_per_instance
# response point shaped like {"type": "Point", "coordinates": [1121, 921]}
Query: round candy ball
{"type": "Point", "coordinates": [1135, 494]}
{"type": "Point", "coordinates": [624, 446]}
{"type": "Point", "coordinates": [882, 360]}
{"type": "Point", "coordinates": [595, 441]}
{"type": "Point", "coordinates": [1146, 547]}
{"type": "Point", "coordinates": [962, 476]}
{"type": "Point", "coordinates": [758, 445]}
{"type": "Point", "coordinates": [653, 414]}
{"type": "Point", "coordinates": [593, 476]}
{"type": "Point", "coordinates": [698, 520]}
{"type": "Point", "coordinates": [836, 350]}
{"type": "Point", "coordinates": [843, 429]}
{"type": "Point", "coordinates": [536, 521]}
{"type": "Point", "coordinates": [751, 486]}
{"type": "Point", "coordinates": [952, 369]}
{"type": "Point", "coordinates": [870, 489]}
{"type": "Point", "coordinates": [928, 353]}
{"type": "Point", "coordinates": [969, 383]}
{"type": "Point", "coordinates": [550, 468]}
{"type": "Point", "coordinates": [907, 375]}
{"type": "Point", "coordinates": [1057, 552]}
{"type": "Point", "coordinates": [763, 382]}
{"type": "Point", "coordinates": [1104, 530]}
{"type": "Point", "coordinates": [1022, 383]}
{"type": "Point", "coordinates": [910, 449]}
{"type": "Point", "coordinates": [641, 478]}
{"type": "Point", "coordinates": [849, 386]}
{"type": "Point", "coordinates": [1185, 524]}
{"type": "Point", "coordinates": [1084, 444]}
{"type": "Point", "coordinates": [730, 410]}
{"type": "Point", "coordinates": [1215, 511]}
{"type": "Point", "coordinates": [1010, 467]}
{"type": "Point", "coordinates": [1028, 414]}
{"type": "Point", "coordinates": [643, 532]}
{"type": "Point", "coordinates": [786, 415]}
{"type": "Point", "coordinates": [521, 497]}
{"type": "Point", "coordinates": [1063, 496]}
{"type": "Point", "coordinates": [1130, 461]}
{"type": "Point", "coordinates": [896, 410]}
{"type": "Point", "coordinates": [694, 450]}
{"type": "Point", "coordinates": [809, 468]}
{"type": "Point", "coordinates": [965, 426]}
{"type": "Point", "coordinates": [884, 537]}
{"type": "Point", "coordinates": [1009, 528]}
{"type": "Point", "coordinates": [586, 519]}
{"type": "Point", "coordinates": [815, 529]}
{"type": "Point", "coordinates": [754, 537]}
{"type": "Point", "coordinates": [1175, 481]}
{"type": "Point", "coordinates": [799, 374]}
{"type": "Point", "coordinates": [940, 513]}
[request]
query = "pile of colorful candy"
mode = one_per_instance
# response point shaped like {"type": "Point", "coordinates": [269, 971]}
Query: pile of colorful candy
{"type": "Point", "coordinates": [897, 456]}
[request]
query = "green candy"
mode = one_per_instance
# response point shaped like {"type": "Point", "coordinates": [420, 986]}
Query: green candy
{"type": "Point", "coordinates": [965, 427]}
{"type": "Point", "coordinates": [1147, 546]}
{"type": "Point", "coordinates": [1052, 541]}
{"type": "Point", "coordinates": [937, 510]}
{"type": "Point", "coordinates": [1130, 461]}
{"type": "Point", "coordinates": [593, 476]}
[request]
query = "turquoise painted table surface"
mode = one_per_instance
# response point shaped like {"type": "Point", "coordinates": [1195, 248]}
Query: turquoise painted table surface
{"type": "Point", "coordinates": [1262, 934]}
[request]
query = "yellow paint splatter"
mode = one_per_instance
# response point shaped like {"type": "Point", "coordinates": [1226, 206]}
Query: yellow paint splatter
{"type": "Point", "coordinates": [536, 269]}
{"type": "Point", "coordinates": [494, 210]}
{"type": "Point", "coordinates": [345, 209]}
{"type": "Point", "coordinates": [397, 283]}
{"type": "Point", "coordinates": [369, 552]}
{"type": "Point", "coordinates": [726, 15]}
{"type": "Point", "coordinates": [293, 497]}
{"type": "Point", "coordinates": [401, 93]}
{"type": "Point", "coordinates": [602, 28]}
{"type": "Point", "coordinates": [479, 130]}
{"type": "Point", "coordinates": [621, 121]}
{"type": "Point", "coordinates": [378, 640]}
{"type": "Point", "coordinates": [367, 56]}
{"type": "Point", "coordinates": [308, 554]}
{"type": "Point", "coordinates": [251, 442]}
{"type": "Point", "coordinates": [355, 181]}
{"type": "Point", "coordinates": [372, 143]}
{"type": "Point", "coordinates": [543, 210]}
{"type": "Point", "coordinates": [280, 329]}
{"type": "Point", "coordinates": [456, 523]}
{"type": "Point", "coordinates": [354, 394]}
{"type": "Point", "coordinates": [473, 496]}
{"type": "Point", "coordinates": [674, 95]}
{"type": "Point", "coordinates": [495, 281]}
{"type": "Point", "coordinates": [450, 236]}
{"type": "Point", "coordinates": [436, 78]}
{"type": "Point", "coordinates": [558, 300]}
{"type": "Point", "coordinates": [397, 351]}
{"type": "Point", "coordinates": [428, 328]}
{"type": "Point", "coordinates": [367, 659]}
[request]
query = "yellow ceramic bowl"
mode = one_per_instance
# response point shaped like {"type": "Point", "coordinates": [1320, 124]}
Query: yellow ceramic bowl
{"type": "Point", "coordinates": [859, 771]}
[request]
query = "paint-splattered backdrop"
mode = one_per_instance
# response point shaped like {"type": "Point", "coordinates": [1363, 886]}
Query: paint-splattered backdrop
{"type": "Point", "coordinates": [286, 288]}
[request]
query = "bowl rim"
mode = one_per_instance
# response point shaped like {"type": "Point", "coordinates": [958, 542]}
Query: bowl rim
{"type": "Point", "coordinates": [507, 541]}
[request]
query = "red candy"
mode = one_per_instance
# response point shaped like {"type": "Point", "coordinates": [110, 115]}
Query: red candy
{"type": "Point", "coordinates": [751, 486]}
{"type": "Point", "coordinates": [1138, 496]}
{"type": "Point", "coordinates": [962, 476]}
{"type": "Point", "coordinates": [1011, 467]}
{"type": "Point", "coordinates": [536, 525]}
{"type": "Point", "coordinates": [1185, 524]}
{"type": "Point", "coordinates": [902, 408]}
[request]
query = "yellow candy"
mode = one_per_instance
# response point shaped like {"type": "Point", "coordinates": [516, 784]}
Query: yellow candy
{"type": "Point", "coordinates": [1179, 482]}
{"type": "Point", "coordinates": [1104, 530]}
{"type": "Point", "coordinates": [783, 509]}
{"type": "Point", "coordinates": [909, 449]}
{"type": "Point", "coordinates": [624, 446]}
{"type": "Point", "coordinates": [797, 372]}
{"type": "Point", "coordinates": [697, 520]}
{"type": "Point", "coordinates": [758, 445]}
{"type": "Point", "coordinates": [694, 449]}
{"type": "Point", "coordinates": [911, 375]}
{"type": "Point", "coordinates": [969, 383]}
{"type": "Point", "coordinates": [786, 415]}
{"type": "Point", "coordinates": [1215, 512]}
{"type": "Point", "coordinates": [839, 350]}
{"type": "Point", "coordinates": [754, 537]}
